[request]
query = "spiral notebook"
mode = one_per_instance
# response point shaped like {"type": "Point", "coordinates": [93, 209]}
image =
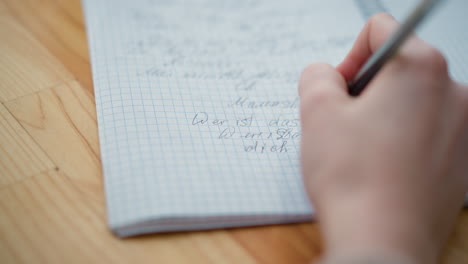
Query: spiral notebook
{"type": "Point", "coordinates": [198, 110]}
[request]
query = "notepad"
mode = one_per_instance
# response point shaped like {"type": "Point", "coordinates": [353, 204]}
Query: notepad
{"type": "Point", "coordinates": [197, 106]}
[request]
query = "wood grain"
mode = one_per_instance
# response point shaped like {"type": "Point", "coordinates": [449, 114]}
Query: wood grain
{"type": "Point", "coordinates": [25, 65]}
{"type": "Point", "coordinates": [69, 227]}
{"type": "Point", "coordinates": [51, 195]}
{"type": "Point", "coordinates": [58, 25]}
{"type": "Point", "coordinates": [62, 120]}
{"type": "Point", "coordinates": [298, 243]}
{"type": "Point", "coordinates": [20, 156]}
{"type": "Point", "coordinates": [47, 205]}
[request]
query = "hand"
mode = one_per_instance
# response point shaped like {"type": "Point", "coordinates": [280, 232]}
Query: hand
{"type": "Point", "coordinates": [388, 171]}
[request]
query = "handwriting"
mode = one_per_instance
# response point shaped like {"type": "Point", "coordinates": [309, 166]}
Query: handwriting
{"type": "Point", "coordinates": [258, 147]}
{"type": "Point", "coordinates": [217, 41]}
{"type": "Point", "coordinates": [266, 136]}
{"type": "Point", "coordinates": [251, 103]}
{"type": "Point", "coordinates": [238, 62]}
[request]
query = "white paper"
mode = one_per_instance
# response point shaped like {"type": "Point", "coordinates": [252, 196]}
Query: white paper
{"type": "Point", "coordinates": [198, 110]}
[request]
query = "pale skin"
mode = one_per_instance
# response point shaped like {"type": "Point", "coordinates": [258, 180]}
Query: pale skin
{"type": "Point", "coordinates": [387, 171]}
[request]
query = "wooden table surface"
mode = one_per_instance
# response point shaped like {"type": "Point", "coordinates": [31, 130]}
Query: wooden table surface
{"type": "Point", "coordinates": [51, 195]}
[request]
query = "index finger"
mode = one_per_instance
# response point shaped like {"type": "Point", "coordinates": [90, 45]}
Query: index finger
{"type": "Point", "coordinates": [378, 30]}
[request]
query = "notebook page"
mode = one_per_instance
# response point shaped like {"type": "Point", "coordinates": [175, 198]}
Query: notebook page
{"type": "Point", "coordinates": [197, 102]}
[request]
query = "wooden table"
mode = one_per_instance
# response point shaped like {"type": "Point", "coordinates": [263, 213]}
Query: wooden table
{"type": "Point", "coordinates": [52, 206]}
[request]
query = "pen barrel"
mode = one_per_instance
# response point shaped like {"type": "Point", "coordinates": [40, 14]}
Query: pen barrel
{"type": "Point", "coordinates": [390, 48]}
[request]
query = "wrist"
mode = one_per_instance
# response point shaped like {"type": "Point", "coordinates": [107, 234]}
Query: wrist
{"type": "Point", "coordinates": [348, 230]}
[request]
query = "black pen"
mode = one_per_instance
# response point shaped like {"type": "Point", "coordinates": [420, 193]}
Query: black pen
{"type": "Point", "coordinates": [390, 48]}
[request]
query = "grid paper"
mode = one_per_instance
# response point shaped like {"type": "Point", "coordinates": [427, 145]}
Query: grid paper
{"type": "Point", "coordinates": [198, 110]}
{"type": "Point", "coordinates": [197, 106]}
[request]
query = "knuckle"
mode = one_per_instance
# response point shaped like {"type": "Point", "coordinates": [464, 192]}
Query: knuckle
{"type": "Point", "coordinates": [317, 97]}
{"type": "Point", "coordinates": [305, 78]}
{"type": "Point", "coordinates": [315, 100]}
{"type": "Point", "coordinates": [310, 74]}
{"type": "Point", "coordinates": [314, 70]}
{"type": "Point", "coordinates": [306, 106]}
{"type": "Point", "coordinates": [431, 59]}
{"type": "Point", "coordinates": [379, 17]}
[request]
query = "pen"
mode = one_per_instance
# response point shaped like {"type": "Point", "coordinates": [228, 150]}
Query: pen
{"type": "Point", "coordinates": [390, 48]}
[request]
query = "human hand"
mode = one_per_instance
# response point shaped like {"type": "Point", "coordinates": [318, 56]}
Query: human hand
{"type": "Point", "coordinates": [387, 172]}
